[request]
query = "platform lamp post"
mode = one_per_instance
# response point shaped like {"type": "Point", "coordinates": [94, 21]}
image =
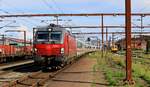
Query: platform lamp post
{"type": "Point", "coordinates": [24, 36]}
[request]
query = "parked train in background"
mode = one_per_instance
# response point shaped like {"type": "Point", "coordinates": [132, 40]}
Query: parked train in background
{"type": "Point", "coordinates": [53, 45]}
{"type": "Point", "coordinates": [12, 52]}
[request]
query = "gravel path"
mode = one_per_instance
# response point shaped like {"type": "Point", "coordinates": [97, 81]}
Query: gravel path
{"type": "Point", "coordinates": [80, 74]}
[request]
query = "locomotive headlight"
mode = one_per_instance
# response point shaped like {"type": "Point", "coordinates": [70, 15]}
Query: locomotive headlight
{"type": "Point", "coordinates": [35, 49]}
{"type": "Point", "coordinates": [1, 50]}
{"type": "Point", "coordinates": [49, 29]}
{"type": "Point", "coordinates": [62, 50]}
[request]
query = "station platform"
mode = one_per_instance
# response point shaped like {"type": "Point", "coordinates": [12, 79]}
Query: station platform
{"type": "Point", "coordinates": [13, 64]}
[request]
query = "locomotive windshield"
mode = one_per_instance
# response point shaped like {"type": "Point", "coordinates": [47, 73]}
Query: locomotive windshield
{"type": "Point", "coordinates": [49, 37]}
{"type": "Point", "coordinates": [42, 35]}
{"type": "Point", "coordinates": [55, 36]}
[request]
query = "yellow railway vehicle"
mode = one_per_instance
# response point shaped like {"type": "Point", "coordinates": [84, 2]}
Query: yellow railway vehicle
{"type": "Point", "coordinates": [114, 49]}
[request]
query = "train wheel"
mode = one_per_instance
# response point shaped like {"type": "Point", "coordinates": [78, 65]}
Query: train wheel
{"type": "Point", "coordinates": [53, 68]}
{"type": "Point", "coordinates": [45, 69]}
{"type": "Point", "coordinates": [37, 63]}
{"type": "Point", "coordinates": [46, 65]}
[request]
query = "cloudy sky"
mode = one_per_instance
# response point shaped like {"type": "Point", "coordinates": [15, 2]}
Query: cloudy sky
{"type": "Point", "coordinates": [68, 6]}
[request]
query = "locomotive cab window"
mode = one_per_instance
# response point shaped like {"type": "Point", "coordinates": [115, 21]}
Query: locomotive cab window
{"type": "Point", "coordinates": [55, 37]}
{"type": "Point", "coordinates": [42, 36]}
{"type": "Point", "coordinates": [52, 37]}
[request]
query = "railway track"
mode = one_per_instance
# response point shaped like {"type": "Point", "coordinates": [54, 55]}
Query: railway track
{"type": "Point", "coordinates": [142, 61]}
{"type": "Point", "coordinates": [16, 70]}
{"type": "Point", "coordinates": [11, 73]}
{"type": "Point", "coordinates": [37, 79]}
{"type": "Point", "coordinates": [139, 58]}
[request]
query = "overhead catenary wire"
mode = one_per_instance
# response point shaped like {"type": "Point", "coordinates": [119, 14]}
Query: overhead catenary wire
{"type": "Point", "coordinates": [146, 5]}
{"type": "Point", "coordinates": [20, 11]}
{"type": "Point", "coordinates": [4, 11]}
{"type": "Point", "coordinates": [14, 21]}
{"type": "Point", "coordinates": [49, 6]}
{"type": "Point", "coordinates": [59, 9]}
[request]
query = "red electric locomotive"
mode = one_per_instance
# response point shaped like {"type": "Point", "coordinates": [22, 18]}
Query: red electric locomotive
{"type": "Point", "coordinates": [53, 45]}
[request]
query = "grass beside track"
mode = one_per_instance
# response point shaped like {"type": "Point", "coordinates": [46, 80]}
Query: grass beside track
{"type": "Point", "coordinates": [113, 66]}
{"type": "Point", "coordinates": [141, 65]}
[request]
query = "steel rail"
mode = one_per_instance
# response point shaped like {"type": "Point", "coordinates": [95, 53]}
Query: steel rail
{"type": "Point", "coordinates": [14, 83]}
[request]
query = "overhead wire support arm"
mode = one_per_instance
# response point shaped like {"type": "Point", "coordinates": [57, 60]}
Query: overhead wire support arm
{"type": "Point", "coordinates": [80, 14]}
{"type": "Point", "coordinates": [110, 33]}
{"type": "Point", "coordinates": [108, 26]}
